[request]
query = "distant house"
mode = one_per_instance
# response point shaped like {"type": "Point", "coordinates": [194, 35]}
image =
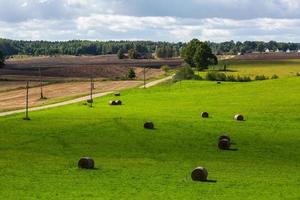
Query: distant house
{"type": "Point", "coordinates": [298, 50]}
{"type": "Point", "coordinates": [267, 50]}
{"type": "Point", "coordinates": [288, 51]}
{"type": "Point", "coordinates": [277, 51]}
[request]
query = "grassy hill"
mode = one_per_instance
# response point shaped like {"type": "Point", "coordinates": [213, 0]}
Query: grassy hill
{"type": "Point", "coordinates": [39, 157]}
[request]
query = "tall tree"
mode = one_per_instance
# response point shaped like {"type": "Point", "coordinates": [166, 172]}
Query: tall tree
{"type": "Point", "coordinates": [199, 54]}
{"type": "Point", "coordinates": [2, 59]}
{"type": "Point", "coordinates": [120, 54]}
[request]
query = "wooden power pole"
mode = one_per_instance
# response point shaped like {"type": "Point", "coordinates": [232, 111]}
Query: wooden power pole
{"type": "Point", "coordinates": [91, 92]}
{"type": "Point", "coordinates": [26, 103]}
{"type": "Point", "coordinates": [144, 77]}
{"type": "Point", "coordinates": [41, 83]}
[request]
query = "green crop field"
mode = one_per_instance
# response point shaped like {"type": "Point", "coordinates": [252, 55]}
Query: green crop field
{"type": "Point", "coordinates": [282, 68]}
{"type": "Point", "coordinates": [39, 157]}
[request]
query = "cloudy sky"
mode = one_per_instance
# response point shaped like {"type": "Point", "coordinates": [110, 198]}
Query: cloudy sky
{"type": "Point", "coordinates": [158, 20]}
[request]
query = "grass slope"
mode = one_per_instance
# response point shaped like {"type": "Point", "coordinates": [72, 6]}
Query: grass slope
{"type": "Point", "coordinates": [39, 157]}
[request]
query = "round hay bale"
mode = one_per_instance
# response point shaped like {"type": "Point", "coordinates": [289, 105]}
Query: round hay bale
{"type": "Point", "coordinates": [239, 117]}
{"type": "Point", "coordinates": [204, 114]}
{"type": "Point", "coordinates": [112, 103]}
{"type": "Point", "coordinates": [225, 136]}
{"type": "Point", "coordinates": [224, 144]}
{"type": "Point", "coordinates": [149, 125]}
{"type": "Point", "coordinates": [117, 94]}
{"type": "Point", "coordinates": [219, 82]}
{"type": "Point", "coordinates": [118, 102]}
{"type": "Point", "coordinates": [86, 163]}
{"type": "Point", "coordinates": [199, 174]}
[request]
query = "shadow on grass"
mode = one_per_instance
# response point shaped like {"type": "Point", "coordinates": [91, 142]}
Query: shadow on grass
{"type": "Point", "coordinates": [211, 181]}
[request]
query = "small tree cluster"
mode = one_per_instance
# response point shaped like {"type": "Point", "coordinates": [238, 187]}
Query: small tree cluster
{"type": "Point", "coordinates": [198, 54]}
{"type": "Point", "coordinates": [132, 54]}
{"type": "Point", "coordinates": [166, 51]}
{"type": "Point", "coordinates": [185, 73]}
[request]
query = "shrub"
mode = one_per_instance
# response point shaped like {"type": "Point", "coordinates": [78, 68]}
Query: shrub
{"type": "Point", "coordinates": [274, 77]}
{"type": "Point", "coordinates": [185, 73]}
{"type": "Point", "coordinates": [231, 78]}
{"type": "Point", "coordinates": [216, 76]}
{"type": "Point", "coordinates": [261, 77]}
{"type": "Point", "coordinates": [243, 78]}
{"type": "Point", "coordinates": [131, 74]}
{"type": "Point", "coordinates": [298, 74]}
{"type": "Point", "coordinates": [165, 68]}
{"type": "Point", "coordinates": [120, 54]}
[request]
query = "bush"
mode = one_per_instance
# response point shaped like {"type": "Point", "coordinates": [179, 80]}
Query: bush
{"type": "Point", "coordinates": [185, 73]}
{"type": "Point", "coordinates": [261, 77]}
{"type": "Point", "coordinates": [231, 78]}
{"type": "Point", "coordinates": [131, 74]}
{"type": "Point", "coordinates": [243, 78]}
{"type": "Point", "coordinates": [274, 77]}
{"type": "Point", "coordinates": [298, 74]}
{"type": "Point", "coordinates": [216, 76]}
{"type": "Point", "coordinates": [165, 68]}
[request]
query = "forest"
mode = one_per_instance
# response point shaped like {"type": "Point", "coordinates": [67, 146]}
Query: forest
{"type": "Point", "coordinates": [161, 49]}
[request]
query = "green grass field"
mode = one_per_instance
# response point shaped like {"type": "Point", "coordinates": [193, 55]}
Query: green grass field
{"type": "Point", "coordinates": [282, 68]}
{"type": "Point", "coordinates": [39, 157]}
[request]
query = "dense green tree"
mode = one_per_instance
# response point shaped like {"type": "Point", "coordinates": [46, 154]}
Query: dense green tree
{"type": "Point", "coordinates": [261, 47]}
{"type": "Point", "coordinates": [132, 54]}
{"type": "Point", "coordinates": [131, 74]}
{"type": "Point", "coordinates": [199, 54]}
{"type": "Point", "coordinates": [2, 59]}
{"type": "Point", "coordinates": [120, 54]}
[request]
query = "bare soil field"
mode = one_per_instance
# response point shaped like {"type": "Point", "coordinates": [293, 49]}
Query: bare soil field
{"type": "Point", "coordinates": [14, 99]}
{"type": "Point", "coordinates": [109, 67]}
{"type": "Point", "coordinates": [13, 85]}
{"type": "Point", "coordinates": [267, 56]}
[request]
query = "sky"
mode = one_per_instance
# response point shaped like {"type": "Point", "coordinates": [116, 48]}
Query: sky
{"type": "Point", "coordinates": [156, 20]}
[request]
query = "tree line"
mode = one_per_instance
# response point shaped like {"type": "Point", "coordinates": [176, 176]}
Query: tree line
{"type": "Point", "coordinates": [79, 47]}
{"type": "Point", "coordinates": [136, 48]}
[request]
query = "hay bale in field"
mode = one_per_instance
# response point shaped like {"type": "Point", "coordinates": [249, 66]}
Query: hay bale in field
{"type": "Point", "coordinates": [199, 174]}
{"type": "Point", "coordinates": [117, 94]}
{"type": "Point", "coordinates": [148, 125]}
{"type": "Point", "coordinates": [239, 117]}
{"type": "Point", "coordinates": [219, 82]}
{"type": "Point", "coordinates": [224, 144]}
{"type": "Point", "coordinates": [225, 136]}
{"type": "Point", "coordinates": [115, 103]}
{"type": "Point", "coordinates": [118, 102]}
{"type": "Point", "coordinates": [86, 163]}
{"type": "Point", "coordinates": [204, 114]}
{"type": "Point", "coordinates": [112, 103]}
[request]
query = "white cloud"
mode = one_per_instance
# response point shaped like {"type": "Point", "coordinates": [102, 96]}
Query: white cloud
{"type": "Point", "coordinates": [215, 20]}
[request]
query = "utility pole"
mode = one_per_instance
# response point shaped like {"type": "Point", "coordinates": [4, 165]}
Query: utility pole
{"type": "Point", "coordinates": [91, 94]}
{"type": "Point", "coordinates": [144, 77]}
{"type": "Point", "coordinates": [41, 84]}
{"type": "Point", "coordinates": [26, 109]}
